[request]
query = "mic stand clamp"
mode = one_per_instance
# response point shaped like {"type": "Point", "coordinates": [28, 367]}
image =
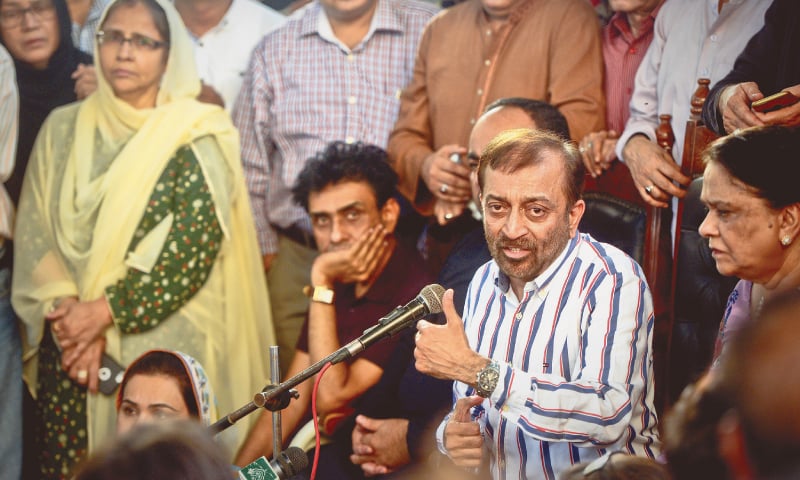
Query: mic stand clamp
{"type": "Point", "coordinates": [277, 401]}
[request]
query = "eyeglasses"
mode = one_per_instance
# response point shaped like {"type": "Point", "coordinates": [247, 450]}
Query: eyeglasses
{"type": "Point", "coordinates": [12, 17]}
{"type": "Point", "coordinates": [138, 42]}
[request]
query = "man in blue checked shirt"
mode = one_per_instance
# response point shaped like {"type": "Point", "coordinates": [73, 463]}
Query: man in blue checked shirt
{"type": "Point", "coordinates": [552, 363]}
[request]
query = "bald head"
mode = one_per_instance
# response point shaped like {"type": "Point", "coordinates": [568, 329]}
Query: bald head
{"type": "Point", "coordinates": [495, 122]}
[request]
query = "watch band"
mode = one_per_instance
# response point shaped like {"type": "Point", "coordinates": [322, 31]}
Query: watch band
{"type": "Point", "coordinates": [319, 293]}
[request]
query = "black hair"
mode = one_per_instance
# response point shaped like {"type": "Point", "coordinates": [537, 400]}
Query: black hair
{"type": "Point", "coordinates": [343, 162]}
{"type": "Point", "coordinates": [176, 449]}
{"type": "Point", "coordinates": [763, 159]}
{"type": "Point", "coordinates": [544, 115]}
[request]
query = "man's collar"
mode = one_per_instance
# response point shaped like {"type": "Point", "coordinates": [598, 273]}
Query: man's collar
{"type": "Point", "coordinates": [385, 19]}
{"type": "Point", "coordinates": [542, 281]}
{"type": "Point", "coordinates": [618, 24]}
{"type": "Point", "coordinates": [513, 18]}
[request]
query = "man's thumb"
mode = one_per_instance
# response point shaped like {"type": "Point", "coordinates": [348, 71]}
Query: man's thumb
{"type": "Point", "coordinates": [463, 406]}
{"type": "Point", "coordinates": [449, 309]}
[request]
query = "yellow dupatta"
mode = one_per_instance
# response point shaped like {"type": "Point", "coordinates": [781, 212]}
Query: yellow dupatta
{"type": "Point", "coordinates": [92, 171]}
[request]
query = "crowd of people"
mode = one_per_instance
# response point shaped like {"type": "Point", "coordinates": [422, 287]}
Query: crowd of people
{"type": "Point", "coordinates": [186, 183]}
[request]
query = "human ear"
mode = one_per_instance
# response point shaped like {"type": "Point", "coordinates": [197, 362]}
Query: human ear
{"type": "Point", "coordinates": [575, 215]}
{"type": "Point", "coordinates": [789, 224]}
{"type": "Point", "coordinates": [390, 213]}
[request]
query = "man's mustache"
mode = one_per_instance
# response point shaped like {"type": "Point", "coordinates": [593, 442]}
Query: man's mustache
{"type": "Point", "coordinates": [505, 242]}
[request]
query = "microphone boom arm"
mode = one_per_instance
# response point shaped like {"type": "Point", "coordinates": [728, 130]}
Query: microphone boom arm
{"type": "Point", "coordinates": [428, 301]}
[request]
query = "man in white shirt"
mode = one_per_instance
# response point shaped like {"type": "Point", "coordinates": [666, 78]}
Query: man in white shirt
{"type": "Point", "coordinates": [693, 39]}
{"type": "Point", "coordinates": [224, 34]}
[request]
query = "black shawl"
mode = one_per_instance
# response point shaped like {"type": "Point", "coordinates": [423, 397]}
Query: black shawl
{"type": "Point", "coordinates": [41, 91]}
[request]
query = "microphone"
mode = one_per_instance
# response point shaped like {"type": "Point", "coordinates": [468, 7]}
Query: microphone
{"type": "Point", "coordinates": [428, 301]}
{"type": "Point", "coordinates": [289, 463]}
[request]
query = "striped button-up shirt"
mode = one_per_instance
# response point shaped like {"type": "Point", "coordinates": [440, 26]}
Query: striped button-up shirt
{"type": "Point", "coordinates": [9, 105]}
{"type": "Point", "coordinates": [575, 362]}
{"type": "Point", "coordinates": [622, 54]}
{"type": "Point", "coordinates": [304, 89]}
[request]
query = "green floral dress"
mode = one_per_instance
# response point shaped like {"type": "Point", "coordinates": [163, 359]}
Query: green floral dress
{"type": "Point", "coordinates": [139, 302]}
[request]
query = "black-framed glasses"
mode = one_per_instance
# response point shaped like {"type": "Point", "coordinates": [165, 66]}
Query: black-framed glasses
{"type": "Point", "coordinates": [12, 17]}
{"type": "Point", "coordinates": [138, 42]}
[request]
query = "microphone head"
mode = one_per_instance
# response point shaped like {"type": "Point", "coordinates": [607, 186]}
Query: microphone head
{"type": "Point", "coordinates": [432, 297]}
{"type": "Point", "coordinates": [293, 460]}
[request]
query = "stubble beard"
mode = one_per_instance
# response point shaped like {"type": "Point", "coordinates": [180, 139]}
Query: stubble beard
{"type": "Point", "coordinates": [541, 253]}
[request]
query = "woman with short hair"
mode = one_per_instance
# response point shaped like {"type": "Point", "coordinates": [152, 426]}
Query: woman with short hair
{"type": "Point", "coordinates": [753, 220]}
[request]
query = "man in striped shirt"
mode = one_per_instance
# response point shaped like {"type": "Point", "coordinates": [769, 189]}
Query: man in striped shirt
{"type": "Point", "coordinates": [552, 364]}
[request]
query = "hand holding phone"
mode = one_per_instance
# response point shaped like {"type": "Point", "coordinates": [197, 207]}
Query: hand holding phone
{"type": "Point", "coordinates": [778, 101]}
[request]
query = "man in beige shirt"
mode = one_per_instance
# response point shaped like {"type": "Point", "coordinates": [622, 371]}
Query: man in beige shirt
{"type": "Point", "coordinates": [475, 53]}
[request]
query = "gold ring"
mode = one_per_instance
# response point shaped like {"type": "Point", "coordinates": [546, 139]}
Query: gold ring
{"type": "Point", "coordinates": [581, 149]}
{"type": "Point", "coordinates": [83, 374]}
{"type": "Point", "coordinates": [444, 188]}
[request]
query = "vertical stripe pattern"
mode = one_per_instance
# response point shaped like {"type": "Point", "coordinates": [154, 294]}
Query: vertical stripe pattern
{"type": "Point", "coordinates": [575, 354]}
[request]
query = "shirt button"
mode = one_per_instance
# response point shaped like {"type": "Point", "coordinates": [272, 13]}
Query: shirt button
{"type": "Point", "coordinates": [349, 140]}
{"type": "Point", "coordinates": [518, 316]}
{"type": "Point", "coordinates": [480, 91]}
{"type": "Point", "coordinates": [472, 121]}
{"type": "Point", "coordinates": [488, 32]}
{"type": "Point", "coordinates": [632, 51]}
{"type": "Point", "coordinates": [487, 62]}
{"type": "Point", "coordinates": [714, 37]}
{"type": "Point", "coordinates": [350, 57]}
{"type": "Point", "coordinates": [351, 100]}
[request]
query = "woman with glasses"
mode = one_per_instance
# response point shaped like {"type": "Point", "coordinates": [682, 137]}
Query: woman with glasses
{"type": "Point", "coordinates": [37, 35]}
{"type": "Point", "coordinates": [137, 235]}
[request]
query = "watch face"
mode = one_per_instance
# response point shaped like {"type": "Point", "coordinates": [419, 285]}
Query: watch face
{"type": "Point", "coordinates": [487, 380]}
{"type": "Point", "coordinates": [490, 377]}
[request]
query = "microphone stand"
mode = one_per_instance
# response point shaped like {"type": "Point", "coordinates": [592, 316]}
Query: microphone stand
{"type": "Point", "coordinates": [277, 397]}
{"type": "Point", "coordinates": [275, 377]}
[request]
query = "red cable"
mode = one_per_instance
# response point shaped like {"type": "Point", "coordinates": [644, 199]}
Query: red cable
{"type": "Point", "coordinates": [314, 415]}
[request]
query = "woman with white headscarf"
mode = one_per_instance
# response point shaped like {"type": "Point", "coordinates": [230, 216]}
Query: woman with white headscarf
{"type": "Point", "coordinates": [137, 234]}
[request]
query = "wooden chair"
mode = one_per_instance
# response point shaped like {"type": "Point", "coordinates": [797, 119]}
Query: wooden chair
{"type": "Point", "coordinates": [698, 292]}
{"type": "Point", "coordinates": [613, 198]}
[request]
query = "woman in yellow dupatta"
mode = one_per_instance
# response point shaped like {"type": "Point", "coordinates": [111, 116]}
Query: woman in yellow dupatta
{"type": "Point", "coordinates": [135, 233]}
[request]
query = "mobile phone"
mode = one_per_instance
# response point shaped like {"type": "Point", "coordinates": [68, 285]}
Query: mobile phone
{"type": "Point", "coordinates": [780, 100]}
{"type": "Point", "coordinates": [110, 374]}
